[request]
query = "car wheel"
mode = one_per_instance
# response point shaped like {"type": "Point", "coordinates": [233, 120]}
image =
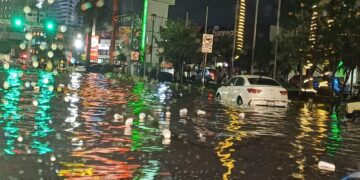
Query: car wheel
{"type": "Point", "coordinates": [239, 101]}
{"type": "Point", "coordinates": [218, 96]}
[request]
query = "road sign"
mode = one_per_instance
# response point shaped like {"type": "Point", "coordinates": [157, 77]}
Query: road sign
{"type": "Point", "coordinates": [123, 18]}
{"type": "Point", "coordinates": [208, 39]}
{"type": "Point", "coordinates": [206, 49]}
{"type": "Point", "coordinates": [207, 43]}
{"type": "Point", "coordinates": [135, 56]}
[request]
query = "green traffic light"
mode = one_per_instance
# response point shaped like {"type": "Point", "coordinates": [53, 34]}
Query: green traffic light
{"type": "Point", "coordinates": [18, 22]}
{"type": "Point", "coordinates": [50, 26]}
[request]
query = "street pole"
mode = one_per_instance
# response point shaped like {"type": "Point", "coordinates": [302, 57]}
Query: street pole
{"type": "Point", "coordinates": [234, 38]}
{"type": "Point", "coordinates": [114, 26]}
{"type": "Point", "coordinates": [153, 17]}
{"type": "Point", "coordinates": [276, 38]}
{"type": "Point", "coordinates": [205, 56]}
{"type": "Point", "coordinates": [187, 19]}
{"type": "Point", "coordinates": [254, 39]}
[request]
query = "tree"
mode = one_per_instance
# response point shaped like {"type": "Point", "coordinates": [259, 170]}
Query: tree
{"type": "Point", "coordinates": [222, 49]}
{"type": "Point", "coordinates": [329, 32]}
{"type": "Point", "coordinates": [180, 43]}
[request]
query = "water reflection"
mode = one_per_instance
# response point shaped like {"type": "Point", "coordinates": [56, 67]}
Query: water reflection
{"type": "Point", "coordinates": [312, 133]}
{"type": "Point", "coordinates": [225, 148]}
{"type": "Point", "coordinates": [106, 148]}
{"type": "Point", "coordinates": [43, 118]}
{"type": "Point", "coordinates": [10, 110]}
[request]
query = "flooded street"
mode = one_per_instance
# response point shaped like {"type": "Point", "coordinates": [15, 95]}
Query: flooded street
{"type": "Point", "coordinates": [50, 131]}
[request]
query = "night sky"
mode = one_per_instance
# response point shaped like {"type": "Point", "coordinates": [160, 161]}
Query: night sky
{"type": "Point", "coordinates": [221, 12]}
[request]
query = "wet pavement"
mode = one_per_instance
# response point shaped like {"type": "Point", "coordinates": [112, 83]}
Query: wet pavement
{"type": "Point", "coordinates": [50, 131]}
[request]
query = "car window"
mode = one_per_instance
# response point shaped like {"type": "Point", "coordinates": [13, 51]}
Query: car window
{"type": "Point", "coordinates": [240, 81]}
{"type": "Point", "coordinates": [230, 82]}
{"type": "Point", "coordinates": [263, 81]}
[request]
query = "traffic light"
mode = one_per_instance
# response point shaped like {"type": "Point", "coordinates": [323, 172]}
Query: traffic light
{"type": "Point", "coordinates": [17, 22]}
{"type": "Point", "coordinates": [50, 26]}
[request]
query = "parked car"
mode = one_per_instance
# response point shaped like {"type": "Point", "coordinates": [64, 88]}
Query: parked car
{"type": "Point", "coordinates": [253, 90]}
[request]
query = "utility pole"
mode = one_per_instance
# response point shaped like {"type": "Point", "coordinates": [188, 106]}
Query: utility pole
{"type": "Point", "coordinates": [205, 55]}
{"type": "Point", "coordinates": [276, 38]}
{"type": "Point", "coordinates": [234, 37]}
{"type": "Point", "coordinates": [153, 18]}
{"type": "Point", "coordinates": [254, 39]}
{"type": "Point", "coordinates": [114, 26]}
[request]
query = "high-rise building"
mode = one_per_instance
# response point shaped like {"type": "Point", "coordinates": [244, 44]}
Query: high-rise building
{"type": "Point", "coordinates": [9, 7]}
{"type": "Point", "coordinates": [65, 13]}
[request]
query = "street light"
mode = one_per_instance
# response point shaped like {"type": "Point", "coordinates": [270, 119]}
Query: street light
{"type": "Point", "coordinates": [153, 17]}
{"type": "Point", "coordinates": [78, 44]}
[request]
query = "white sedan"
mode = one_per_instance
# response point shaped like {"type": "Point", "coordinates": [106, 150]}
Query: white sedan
{"type": "Point", "coordinates": [253, 90]}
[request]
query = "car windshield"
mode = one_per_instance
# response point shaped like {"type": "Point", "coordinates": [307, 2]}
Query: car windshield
{"type": "Point", "coordinates": [263, 81]}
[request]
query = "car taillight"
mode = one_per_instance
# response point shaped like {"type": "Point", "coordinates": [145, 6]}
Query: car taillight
{"type": "Point", "coordinates": [284, 93]}
{"type": "Point", "coordinates": [254, 91]}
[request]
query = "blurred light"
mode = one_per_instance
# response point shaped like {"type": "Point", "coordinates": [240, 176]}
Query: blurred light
{"type": "Point", "coordinates": [27, 9]}
{"type": "Point", "coordinates": [50, 54]}
{"type": "Point", "coordinates": [78, 44]}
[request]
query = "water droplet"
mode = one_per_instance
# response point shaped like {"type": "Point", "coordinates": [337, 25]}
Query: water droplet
{"type": "Point", "coordinates": [28, 36]}
{"type": "Point", "coordinates": [6, 65]}
{"type": "Point", "coordinates": [35, 64]}
{"type": "Point", "coordinates": [20, 139]}
{"type": "Point", "coordinates": [53, 158]}
{"type": "Point", "coordinates": [6, 85]}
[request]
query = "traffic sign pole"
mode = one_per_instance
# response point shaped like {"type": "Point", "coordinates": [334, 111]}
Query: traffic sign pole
{"type": "Point", "coordinates": [205, 56]}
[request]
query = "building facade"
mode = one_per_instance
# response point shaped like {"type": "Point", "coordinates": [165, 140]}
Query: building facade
{"type": "Point", "coordinates": [65, 13]}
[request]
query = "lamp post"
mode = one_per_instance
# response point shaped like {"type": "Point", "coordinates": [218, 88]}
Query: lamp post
{"type": "Point", "coordinates": [153, 17]}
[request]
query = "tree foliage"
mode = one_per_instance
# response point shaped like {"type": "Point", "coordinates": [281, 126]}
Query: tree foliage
{"type": "Point", "coordinates": [336, 33]}
{"type": "Point", "coordinates": [180, 43]}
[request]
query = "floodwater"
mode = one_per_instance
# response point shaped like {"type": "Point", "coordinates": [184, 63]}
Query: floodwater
{"type": "Point", "coordinates": [63, 127]}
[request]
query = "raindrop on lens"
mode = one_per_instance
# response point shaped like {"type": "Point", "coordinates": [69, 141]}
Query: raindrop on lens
{"type": "Point", "coordinates": [43, 46]}
{"type": "Point", "coordinates": [35, 64]}
{"type": "Point", "coordinates": [20, 139]}
{"type": "Point", "coordinates": [6, 85]}
{"type": "Point", "coordinates": [54, 46]}
{"type": "Point", "coordinates": [53, 158]}
{"type": "Point", "coordinates": [63, 28]}
{"type": "Point", "coordinates": [7, 57]}
{"type": "Point", "coordinates": [28, 36]}
{"type": "Point", "coordinates": [22, 46]}
{"type": "Point", "coordinates": [27, 9]}
{"type": "Point", "coordinates": [100, 3]}
{"type": "Point", "coordinates": [6, 65]}
{"type": "Point", "coordinates": [50, 54]}
{"type": "Point", "coordinates": [60, 47]}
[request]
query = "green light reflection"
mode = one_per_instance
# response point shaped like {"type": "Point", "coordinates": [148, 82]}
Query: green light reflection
{"type": "Point", "coordinates": [42, 115]}
{"type": "Point", "coordinates": [10, 108]}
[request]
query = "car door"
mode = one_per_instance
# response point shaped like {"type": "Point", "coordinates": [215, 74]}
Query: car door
{"type": "Point", "coordinates": [226, 92]}
{"type": "Point", "coordinates": [236, 90]}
